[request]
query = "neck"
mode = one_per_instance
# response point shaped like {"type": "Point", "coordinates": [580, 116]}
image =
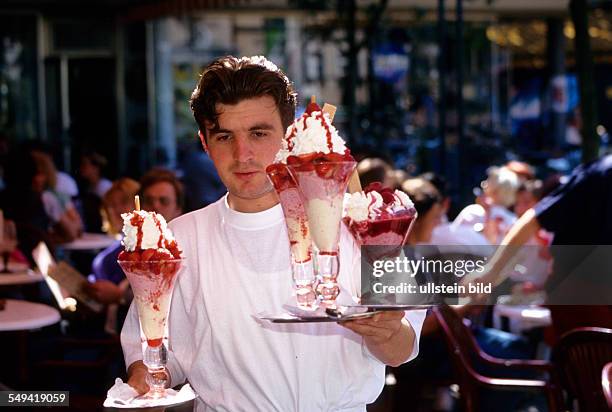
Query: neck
{"type": "Point", "coordinates": [252, 205]}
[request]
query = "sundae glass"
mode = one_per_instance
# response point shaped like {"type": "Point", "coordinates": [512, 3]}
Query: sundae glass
{"type": "Point", "coordinates": [321, 166]}
{"type": "Point", "coordinates": [151, 261]}
{"type": "Point", "coordinates": [299, 235]}
{"type": "Point", "coordinates": [381, 218]}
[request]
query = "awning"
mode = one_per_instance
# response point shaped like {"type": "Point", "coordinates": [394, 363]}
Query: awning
{"type": "Point", "coordinates": [159, 8]}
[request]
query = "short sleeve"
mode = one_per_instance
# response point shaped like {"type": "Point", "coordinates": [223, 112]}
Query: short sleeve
{"type": "Point", "coordinates": [416, 319]}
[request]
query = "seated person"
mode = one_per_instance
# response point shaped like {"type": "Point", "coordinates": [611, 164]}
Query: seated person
{"type": "Point", "coordinates": [66, 222]}
{"type": "Point", "coordinates": [490, 214]}
{"type": "Point", "coordinates": [111, 286]}
{"type": "Point", "coordinates": [163, 193]}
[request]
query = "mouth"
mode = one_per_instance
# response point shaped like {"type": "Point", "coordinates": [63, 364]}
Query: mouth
{"type": "Point", "coordinates": [245, 175]}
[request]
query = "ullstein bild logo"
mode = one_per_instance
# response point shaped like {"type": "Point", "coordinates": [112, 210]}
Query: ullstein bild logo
{"type": "Point", "coordinates": [431, 289]}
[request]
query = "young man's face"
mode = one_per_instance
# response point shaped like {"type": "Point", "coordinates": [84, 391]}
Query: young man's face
{"type": "Point", "coordinates": [245, 143]}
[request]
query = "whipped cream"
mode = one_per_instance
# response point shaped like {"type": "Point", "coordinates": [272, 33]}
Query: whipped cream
{"type": "Point", "coordinates": [361, 206]}
{"type": "Point", "coordinates": [153, 226]}
{"type": "Point", "coordinates": [402, 200]}
{"type": "Point", "coordinates": [309, 134]}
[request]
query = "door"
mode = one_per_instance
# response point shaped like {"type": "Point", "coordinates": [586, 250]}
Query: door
{"type": "Point", "coordinates": [82, 109]}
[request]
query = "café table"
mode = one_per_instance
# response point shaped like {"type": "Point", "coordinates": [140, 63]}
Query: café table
{"type": "Point", "coordinates": [89, 242]}
{"type": "Point", "coordinates": [20, 276]}
{"type": "Point", "coordinates": [521, 318]}
{"type": "Point", "coordinates": [19, 317]}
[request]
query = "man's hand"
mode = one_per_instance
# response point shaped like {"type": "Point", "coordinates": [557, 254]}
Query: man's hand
{"type": "Point", "coordinates": [388, 336]}
{"type": "Point", "coordinates": [137, 375]}
{"type": "Point", "coordinates": [378, 328]}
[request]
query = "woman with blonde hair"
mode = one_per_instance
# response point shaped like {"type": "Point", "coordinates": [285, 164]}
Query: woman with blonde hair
{"type": "Point", "coordinates": [66, 222]}
{"type": "Point", "coordinates": [117, 200]}
{"type": "Point", "coordinates": [111, 287]}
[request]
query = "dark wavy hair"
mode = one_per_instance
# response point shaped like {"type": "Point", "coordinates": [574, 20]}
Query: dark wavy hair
{"type": "Point", "coordinates": [228, 80]}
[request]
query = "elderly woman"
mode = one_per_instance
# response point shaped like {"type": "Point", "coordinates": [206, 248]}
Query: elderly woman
{"type": "Point", "coordinates": [491, 214]}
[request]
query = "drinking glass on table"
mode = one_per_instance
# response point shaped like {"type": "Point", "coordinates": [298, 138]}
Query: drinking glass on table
{"type": "Point", "coordinates": [8, 243]}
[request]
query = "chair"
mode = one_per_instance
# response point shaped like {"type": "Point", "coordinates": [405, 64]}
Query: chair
{"type": "Point", "coordinates": [606, 383]}
{"type": "Point", "coordinates": [579, 358]}
{"type": "Point", "coordinates": [465, 352]}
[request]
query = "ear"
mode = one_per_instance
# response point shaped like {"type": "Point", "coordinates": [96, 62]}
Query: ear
{"type": "Point", "coordinates": [203, 141]}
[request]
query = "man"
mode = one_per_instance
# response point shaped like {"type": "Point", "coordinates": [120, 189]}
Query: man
{"type": "Point", "coordinates": [238, 265]}
{"type": "Point", "coordinates": [578, 213]}
{"type": "Point", "coordinates": [163, 193]}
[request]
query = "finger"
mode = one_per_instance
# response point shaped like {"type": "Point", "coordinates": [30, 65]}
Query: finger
{"type": "Point", "coordinates": [364, 330]}
{"type": "Point", "coordinates": [389, 315]}
{"type": "Point", "coordinates": [370, 323]}
{"type": "Point", "coordinates": [384, 327]}
{"type": "Point", "coordinates": [139, 384]}
{"type": "Point", "coordinates": [370, 331]}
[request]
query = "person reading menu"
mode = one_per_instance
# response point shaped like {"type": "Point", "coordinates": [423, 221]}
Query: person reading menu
{"type": "Point", "coordinates": [238, 264]}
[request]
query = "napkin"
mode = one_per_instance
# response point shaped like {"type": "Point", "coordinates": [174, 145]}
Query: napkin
{"type": "Point", "coordinates": [122, 395]}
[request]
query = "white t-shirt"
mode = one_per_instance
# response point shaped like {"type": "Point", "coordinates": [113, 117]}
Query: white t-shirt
{"type": "Point", "coordinates": [237, 266]}
{"type": "Point", "coordinates": [66, 185]}
{"type": "Point", "coordinates": [473, 214]}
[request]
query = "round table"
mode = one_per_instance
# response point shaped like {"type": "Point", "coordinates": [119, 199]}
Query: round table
{"type": "Point", "coordinates": [89, 241]}
{"type": "Point", "coordinates": [23, 315]}
{"type": "Point", "coordinates": [521, 317]}
{"type": "Point", "coordinates": [21, 277]}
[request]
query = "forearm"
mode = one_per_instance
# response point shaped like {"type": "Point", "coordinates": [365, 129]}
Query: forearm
{"type": "Point", "coordinates": [395, 350]}
{"type": "Point", "coordinates": [68, 228]}
{"type": "Point", "coordinates": [526, 227]}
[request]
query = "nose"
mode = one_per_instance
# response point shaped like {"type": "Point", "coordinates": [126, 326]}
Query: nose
{"type": "Point", "coordinates": [243, 151]}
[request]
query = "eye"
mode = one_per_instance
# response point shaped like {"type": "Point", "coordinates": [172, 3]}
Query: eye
{"type": "Point", "coordinates": [222, 137]}
{"type": "Point", "coordinates": [259, 133]}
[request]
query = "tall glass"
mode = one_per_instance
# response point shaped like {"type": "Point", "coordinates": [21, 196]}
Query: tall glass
{"type": "Point", "coordinates": [152, 283]}
{"type": "Point", "coordinates": [302, 266]}
{"type": "Point", "coordinates": [322, 186]}
{"type": "Point", "coordinates": [385, 235]}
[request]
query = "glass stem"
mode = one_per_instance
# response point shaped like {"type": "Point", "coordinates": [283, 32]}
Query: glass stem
{"type": "Point", "coordinates": [155, 359]}
{"type": "Point", "coordinates": [328, 289]}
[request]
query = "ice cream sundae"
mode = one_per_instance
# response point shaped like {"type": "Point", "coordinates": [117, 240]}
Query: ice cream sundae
{"type": "Point", "coordinates": [151, 260]}
{"type": "Point", "coordinates": [379, 216]}
{"type": "Point", "coordinates": [321, 165]}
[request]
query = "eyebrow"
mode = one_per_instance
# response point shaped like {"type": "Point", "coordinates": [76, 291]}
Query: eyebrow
{"type": "Point", "coordinates": [257, 126]}
{"type": "Point", "coordinates": [261, 126]}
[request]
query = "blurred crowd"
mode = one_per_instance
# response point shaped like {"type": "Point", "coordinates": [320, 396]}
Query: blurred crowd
{"type": "Point", "coordinates": [52, 206]}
